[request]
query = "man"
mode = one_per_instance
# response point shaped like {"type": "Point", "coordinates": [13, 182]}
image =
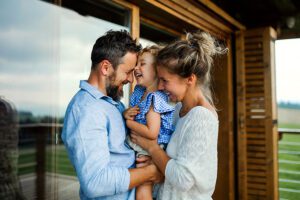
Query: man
{"type": "Point", "coordinates": [94, 130]}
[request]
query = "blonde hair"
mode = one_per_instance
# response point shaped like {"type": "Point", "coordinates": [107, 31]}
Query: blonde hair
{"type": "Point", "coordinates": [193, 55]}
{"type": "Point", "coordinates": [153, 50]}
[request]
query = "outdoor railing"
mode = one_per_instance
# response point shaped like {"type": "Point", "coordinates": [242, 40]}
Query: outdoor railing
{"type": "Point", "coordinates": [289, 163]}
{"type": "Point", "coordinates": [35, 137]}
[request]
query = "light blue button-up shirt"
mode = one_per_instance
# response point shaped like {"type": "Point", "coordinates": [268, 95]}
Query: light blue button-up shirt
{"type": "Point", "coordinates": [94, 133]}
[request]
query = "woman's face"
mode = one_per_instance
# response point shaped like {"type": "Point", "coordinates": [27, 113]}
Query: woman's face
{"type": "Point", "coordinates": [174, 85]}
{"type": "Point", "coordinates": [144, 71]}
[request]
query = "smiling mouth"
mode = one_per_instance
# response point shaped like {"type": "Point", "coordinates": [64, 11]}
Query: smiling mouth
{"type": "Point", "coordinates": [138, 75]}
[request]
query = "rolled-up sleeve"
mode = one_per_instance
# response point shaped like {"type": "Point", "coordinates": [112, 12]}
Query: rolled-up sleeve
{"type": "Point", "coordinates": [180, 171]}
{"type": "Point", "coordinates": [87, 142]}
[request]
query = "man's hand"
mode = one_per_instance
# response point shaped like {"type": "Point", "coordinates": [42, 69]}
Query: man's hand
{"type": "Point", "coordinates": [130, 113]}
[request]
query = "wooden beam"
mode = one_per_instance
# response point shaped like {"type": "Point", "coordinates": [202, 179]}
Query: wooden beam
{"type": "Point", "coordinates": [57, 2]}
{"type": "Point", "coordinates": [209, 4]}
{"type": "Point", "coordinates": [160, 27]}
{"type": "Point", "coordinates": [271, 114]}
{"type": "Point", "coordinates": [192, 10]}
{"type": "Point", "coordinates": [223, 89]}
{"type": "Point", "coordinates": [196, 23]}
{"type": "Point", "coordinates": [241, 116]}
{"type": "Point", "coordinates": [135, 17]}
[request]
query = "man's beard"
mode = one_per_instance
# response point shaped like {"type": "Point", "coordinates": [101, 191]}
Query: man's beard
{"type": "Point", "coordinates": [112, 90]}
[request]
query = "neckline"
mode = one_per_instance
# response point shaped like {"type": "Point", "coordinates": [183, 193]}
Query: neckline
{"type": "Point", "coordinates": [202, 107]}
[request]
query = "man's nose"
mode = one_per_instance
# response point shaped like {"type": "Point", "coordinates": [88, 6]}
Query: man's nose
{"type": "Point", "coordinates": [160, 85]}
{"type": "Point", "coordinates": [130, 77]}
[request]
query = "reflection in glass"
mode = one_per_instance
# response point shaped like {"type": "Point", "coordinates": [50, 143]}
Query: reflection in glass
{"type": "Point", "coordinates": [45, 51]}
{"type": "Point", "coordinates": [9, 183]}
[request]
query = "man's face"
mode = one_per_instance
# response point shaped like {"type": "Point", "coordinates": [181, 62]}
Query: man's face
{"type": "Point", "coordinates": [121, 76]}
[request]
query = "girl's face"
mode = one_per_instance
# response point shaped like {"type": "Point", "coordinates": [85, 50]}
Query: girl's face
{"type": "Point", "coordinates": [174, 85]}
{"type": "Point", "coordinates": [144, 72]}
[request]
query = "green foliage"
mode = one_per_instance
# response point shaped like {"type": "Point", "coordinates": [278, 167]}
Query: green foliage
{"type": "Point", "coordinates": [290, 105]}
{"type": "Point", "coordinates": [289, 160]}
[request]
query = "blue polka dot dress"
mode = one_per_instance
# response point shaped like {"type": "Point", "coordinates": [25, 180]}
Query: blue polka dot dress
{"type": "Point", "coordinates": [159, 102]}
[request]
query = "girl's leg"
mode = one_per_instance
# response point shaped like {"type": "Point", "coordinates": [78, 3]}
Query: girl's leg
{"type": "Point", "coordinates": [144, 192]}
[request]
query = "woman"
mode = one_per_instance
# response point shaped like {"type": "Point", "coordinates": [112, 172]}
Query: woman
{"type": "Point", "coordinates": [190, 161]}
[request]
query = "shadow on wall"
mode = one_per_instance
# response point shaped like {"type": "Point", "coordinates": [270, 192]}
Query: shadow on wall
{"type": "Point", "coordinates": [9, 182]}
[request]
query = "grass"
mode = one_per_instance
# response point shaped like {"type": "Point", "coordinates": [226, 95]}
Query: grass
{"type": "Point", "coordinates": [56, 162]}
{"type": "Point", "coordinates": [291, 126]}
{"type": "Point", "coordinates": [289, 161]}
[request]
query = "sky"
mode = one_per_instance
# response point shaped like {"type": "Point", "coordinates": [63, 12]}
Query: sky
{"type": "Point", "coordinates": [287, 62]}
{"type": "Point", "coordinates": [44, 53]}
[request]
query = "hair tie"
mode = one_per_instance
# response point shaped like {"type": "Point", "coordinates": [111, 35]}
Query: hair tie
{"type": "Point", "coordinates": [193, 44]}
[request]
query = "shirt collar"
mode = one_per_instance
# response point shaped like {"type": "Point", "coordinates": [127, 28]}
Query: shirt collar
{"type": "Point", "coordinates": [95, 92]}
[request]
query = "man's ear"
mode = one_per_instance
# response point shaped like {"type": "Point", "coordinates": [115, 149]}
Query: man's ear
{"type": "Point", "coordinates": [105, 67]}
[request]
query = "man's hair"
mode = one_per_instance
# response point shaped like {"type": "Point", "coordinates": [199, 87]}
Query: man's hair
{"type": "Point", "coordinates": [112, 47]}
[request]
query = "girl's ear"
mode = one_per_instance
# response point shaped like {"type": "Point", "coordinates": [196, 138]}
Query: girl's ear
{"type": "Point", "coordinates": [105, 67]}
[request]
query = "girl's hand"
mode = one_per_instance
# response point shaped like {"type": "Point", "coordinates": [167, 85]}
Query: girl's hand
{"type": "Point", "coordinates": [143, 142]}
{"type": "Point", "coordinates": [130, 113]}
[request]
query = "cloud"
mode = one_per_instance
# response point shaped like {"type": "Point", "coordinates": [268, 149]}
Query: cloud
{"type": "Point", "coordinates": [45, 51]}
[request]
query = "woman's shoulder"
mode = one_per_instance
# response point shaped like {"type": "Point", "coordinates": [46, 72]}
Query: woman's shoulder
{"type": "Point", "coordinates": [200, 112]}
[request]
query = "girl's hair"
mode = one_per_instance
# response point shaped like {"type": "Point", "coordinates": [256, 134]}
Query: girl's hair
{"type": "Point", "coordinates": [194, 55]}
{"type": "Point", "coordinates": [153, 50]}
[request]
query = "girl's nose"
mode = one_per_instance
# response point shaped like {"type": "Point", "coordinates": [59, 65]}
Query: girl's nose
{"type": "Point", "coordinates": [160, 85]}
{"type": "Point", "coordinates": [137, 66]}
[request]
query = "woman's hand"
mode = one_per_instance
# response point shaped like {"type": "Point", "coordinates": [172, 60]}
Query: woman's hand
{"type": "Point", "coordinates": [143, 161]}
{"type": "Point", "coordinates": [145, 143]}
{"type": "Point", "coordinates": [157, 177]}
{"type": "Point", "coordinates": [130, 113]}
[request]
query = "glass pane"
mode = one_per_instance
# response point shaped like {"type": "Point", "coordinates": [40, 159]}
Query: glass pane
{"type": "Point", "coordinates": [156, 35]}
{"type": "Point", "coordinates": [45, 51]}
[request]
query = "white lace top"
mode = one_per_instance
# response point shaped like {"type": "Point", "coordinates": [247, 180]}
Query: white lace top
{"type": "Point", "coordinates": [192, 171]}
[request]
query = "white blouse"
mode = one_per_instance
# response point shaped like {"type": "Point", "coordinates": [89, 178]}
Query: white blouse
{"type": "Point", "coordinates": [192, 171]}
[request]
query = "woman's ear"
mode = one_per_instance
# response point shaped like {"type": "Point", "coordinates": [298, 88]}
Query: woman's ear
{"type": "Point", "coordinates": [191, 80]}
{"type": "Point", "coordinates": [105, 67]}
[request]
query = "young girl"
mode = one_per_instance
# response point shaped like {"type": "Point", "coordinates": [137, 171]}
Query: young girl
{"type": "Point", "coordinates": [149, 115]}
{"type": "Point", "coordinates": [190, 161]}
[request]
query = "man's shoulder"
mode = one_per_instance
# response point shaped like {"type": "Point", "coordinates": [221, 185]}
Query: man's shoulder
{"type": "Point", "coordinates": [82, 100]}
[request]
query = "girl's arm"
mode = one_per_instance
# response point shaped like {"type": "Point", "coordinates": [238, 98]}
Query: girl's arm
{"type": "Point", "coordinates": [151, 129]}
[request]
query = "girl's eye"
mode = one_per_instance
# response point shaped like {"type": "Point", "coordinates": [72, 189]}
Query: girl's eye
{"type": "Point", "coordinates": [142, 64]}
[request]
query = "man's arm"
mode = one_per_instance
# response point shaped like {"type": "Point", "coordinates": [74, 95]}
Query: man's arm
{"type": "Point", "coordinates": [85, 136]}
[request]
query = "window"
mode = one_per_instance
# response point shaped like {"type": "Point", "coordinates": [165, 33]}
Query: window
{"type": "Point", "coordinates": [45, 51]}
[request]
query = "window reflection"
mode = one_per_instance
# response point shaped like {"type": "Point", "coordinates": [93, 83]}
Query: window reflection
{"type": "Point", "coordinates": [45, 51]}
